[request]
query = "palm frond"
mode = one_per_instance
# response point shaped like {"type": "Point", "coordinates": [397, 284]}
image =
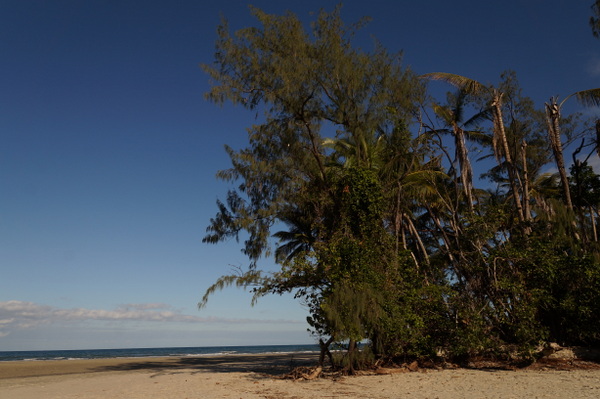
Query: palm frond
{"type": "Point", "coordinates": [444, 113]}
{"type": "Point", "coordinates": [484, 157]}
{"type": "Point", "coordinates": [298, 238]}
{"type": "Point", "coordinates": [469, 86]}
{"type": "Point", "coordinates": [423, 178]}
{"type": "Point", "coordinates": [439, 131]}
{"type": "Point", "coordinates": [337, 144]}
{"type": "Point", "coordinates": [486, 114]}
{"type": "Point", "coordinates": [460, 100]}
{"type": "Point", "coordinates": [478, 136]}
{"type": "Point", "coordinates": [588, 98]}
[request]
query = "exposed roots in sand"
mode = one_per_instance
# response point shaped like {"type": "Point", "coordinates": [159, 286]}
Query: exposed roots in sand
{"type": "Point", "coordinates": [311, 373]}
{"type": "Point", "coordinates": [304, 373]}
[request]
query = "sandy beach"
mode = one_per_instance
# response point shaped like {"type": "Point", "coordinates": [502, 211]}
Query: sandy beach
{"type": "Point", "coordinates": [258, 376]}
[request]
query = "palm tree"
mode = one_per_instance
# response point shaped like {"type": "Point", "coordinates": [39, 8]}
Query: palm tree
{"type": "Point", "coordinates": [358, 151]}
{"type": "Point", "coordinates": [401, 168]}
{"type": "Point", "coordinates": [553, 108]}
{"type": "Point", "coordinates": [500, 141]}
{"type": "Point", "coordinates": [299, 237]}
{"type": "Point", "coordinates": [453, 116]}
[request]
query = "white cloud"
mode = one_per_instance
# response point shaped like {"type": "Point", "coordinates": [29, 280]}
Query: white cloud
{"type": "Point", "coordinates": [18, 315]}
{"type": "Point", "coordinates": [145, 306]}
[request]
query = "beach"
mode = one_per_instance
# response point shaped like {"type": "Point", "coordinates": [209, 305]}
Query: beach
{"type": "Point", "coordinates": [260, 376]}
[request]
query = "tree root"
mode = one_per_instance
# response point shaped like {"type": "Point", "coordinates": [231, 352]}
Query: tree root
{"type": "Point", "coordinates": [304, 373]}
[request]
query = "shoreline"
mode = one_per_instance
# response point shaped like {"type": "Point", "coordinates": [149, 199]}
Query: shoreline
{"type": "Point", "coordinates": [143, 352]}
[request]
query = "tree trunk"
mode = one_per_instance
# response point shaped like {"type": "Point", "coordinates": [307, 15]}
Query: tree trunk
{"type": "Point", "coordinates": [466, 174]}
{"type": "Point", "coordinates": [398, 221]}
{"type": "Point", "coordinates": [324, 346]}
{"type": "Point", "coordinates": [442, 231]}
{"type": "Point", "coordinates": [351, 350]}
{"type": "Point", "coordinates": [501, 136]}
{"type": "Point", "coordinates": [417, 238]}
{"type": "Point", "coordinates": [593, 220]}
{"type": "Point", "coordinates": [553, 120]}
{"type": "Point", "coordinates": [526, 205]}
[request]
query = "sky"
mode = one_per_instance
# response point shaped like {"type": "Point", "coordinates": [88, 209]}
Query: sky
{"type": "Point", "coordinates": [108, 153]}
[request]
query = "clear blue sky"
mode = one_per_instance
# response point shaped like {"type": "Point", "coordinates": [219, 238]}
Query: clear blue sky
{"type": "Point", "coordinates": [108, 153]}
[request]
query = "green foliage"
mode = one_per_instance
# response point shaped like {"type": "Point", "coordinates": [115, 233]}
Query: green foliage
{"type": "Point", "coordinates": [379, 229]}
{"type": "Point", "coordinates": [567, 287]}
{"type": "Point", "coordinates": [585, 185]}
{"type": "Point", "coordinates": [361, 359]}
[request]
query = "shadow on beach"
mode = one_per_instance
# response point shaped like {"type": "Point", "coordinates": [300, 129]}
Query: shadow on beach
{"type": "Point", "coordinates": [273, 364]}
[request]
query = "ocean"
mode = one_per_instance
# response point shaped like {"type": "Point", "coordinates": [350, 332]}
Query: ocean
{"type": "Point", "coordinates": [154, 352]}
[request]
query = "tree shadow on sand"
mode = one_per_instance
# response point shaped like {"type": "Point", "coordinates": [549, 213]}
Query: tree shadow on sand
{"type": "Point", "coordinates": [271, 365]}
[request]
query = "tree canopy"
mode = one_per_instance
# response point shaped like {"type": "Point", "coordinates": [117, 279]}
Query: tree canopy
{"type": "Point", "coordinates": [364, 191]}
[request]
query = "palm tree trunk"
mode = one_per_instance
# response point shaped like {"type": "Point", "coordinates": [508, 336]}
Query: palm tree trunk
{"type": "Point", "coordinates": [501, 136]}
{"type": "Point", "coordinates": [466, 174]}
{"type": "Point", "coordinates": [442, 231]}
{"type": "Point", "coordinates": [399, 230]}
{"type": "Point", "coordinates": [417, 238]}
{"type": "Point", "coordinates": [593, 220]}
{"type": "Point", "coordinates": [526, 205]}
{"type": "Point", "coordinates": [553, 120]}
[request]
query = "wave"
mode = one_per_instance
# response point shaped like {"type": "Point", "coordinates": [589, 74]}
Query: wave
{"type": "Point", "coordinates": [156, 352]}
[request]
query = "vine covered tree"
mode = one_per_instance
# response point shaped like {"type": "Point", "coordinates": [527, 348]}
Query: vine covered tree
{"type": "Point", "coordinates": [306, 83]}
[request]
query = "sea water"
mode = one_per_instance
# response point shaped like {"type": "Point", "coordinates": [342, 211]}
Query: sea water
{"type": "Point", "coordinates": [154, 352]}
